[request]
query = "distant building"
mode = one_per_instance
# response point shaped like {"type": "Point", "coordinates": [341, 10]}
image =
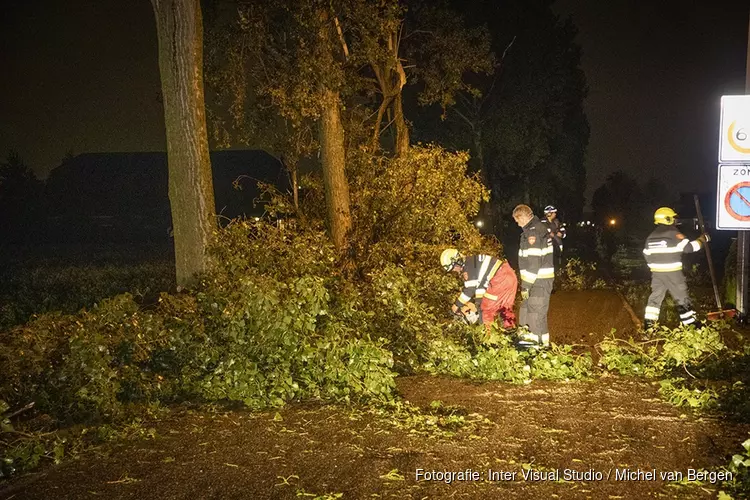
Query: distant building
{"type": "Point", "coordinates": [124, 196]}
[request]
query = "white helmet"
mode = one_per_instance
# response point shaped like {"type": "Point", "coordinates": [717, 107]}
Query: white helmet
{"type": "Point", "coordinates": [449, 258]}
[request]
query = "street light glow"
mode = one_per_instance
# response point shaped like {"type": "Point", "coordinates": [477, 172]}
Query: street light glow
{"type": "Point", "coordinates": [612, 222]}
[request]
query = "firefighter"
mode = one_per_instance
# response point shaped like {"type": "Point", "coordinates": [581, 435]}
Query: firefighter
{"type": "Point", "coordinates": [556, 232]}
{"type": "Point", "coordinates": [663, 251]}
{"type": "Point", "coordinates": [537, 274]}
{"type": "Point", "coordinates": [490, 286]}
{"type": "Point", "coordinates": [555, 229]}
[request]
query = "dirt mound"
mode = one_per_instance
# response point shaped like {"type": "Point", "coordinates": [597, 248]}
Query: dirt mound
{"type": "Point", "coordinates": [585, 317]}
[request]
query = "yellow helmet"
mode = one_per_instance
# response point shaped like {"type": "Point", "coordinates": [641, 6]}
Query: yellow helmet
{"type": "Point", "coordinates": [449, 258]}
{"type": "Point", "coordinates": [665, 215]}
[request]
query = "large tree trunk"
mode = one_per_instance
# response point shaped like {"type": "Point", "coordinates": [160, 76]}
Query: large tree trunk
{"type": "Point", "coordinates": [331, 137]}
{"type": "Point", "coordinates": [179, 30]}
{"type": "Point", "coordinates": [402, 131]}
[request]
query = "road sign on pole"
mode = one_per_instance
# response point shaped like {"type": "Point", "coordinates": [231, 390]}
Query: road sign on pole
{"type": "Point", "coordinates": [734, 139]}
{"type": "Point", "coordinates": [733, 197]}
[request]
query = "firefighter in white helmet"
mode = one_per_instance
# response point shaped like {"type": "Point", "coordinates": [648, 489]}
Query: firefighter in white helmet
{"type": "Point", "coordinates": [557, 233]}
{"type": "Point", "coordinates": [489, 286]}
{"type": "Point", "coordinates": [663, 251]}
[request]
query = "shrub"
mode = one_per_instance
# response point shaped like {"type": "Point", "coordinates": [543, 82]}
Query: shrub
{"type": "Point", "coordinates": [580, 275]}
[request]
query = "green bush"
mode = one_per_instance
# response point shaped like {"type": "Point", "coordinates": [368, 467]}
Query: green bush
{"type": "Point", "coordinates": [739, 466]}
{"type": "Point", "coordinates": [281, 315]}
{"type": "Point", "coordinates": [580, 275]}
{"type": "Point", "coordinates": [672, 350]}
{"type": "Point", "coordinates": [47, 287]}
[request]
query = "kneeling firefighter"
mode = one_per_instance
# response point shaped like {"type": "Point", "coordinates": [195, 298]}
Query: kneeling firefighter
{"type": "Point", "coordinates": [663, 252]}
{"type": "Point", "coordinates": [488, 281]}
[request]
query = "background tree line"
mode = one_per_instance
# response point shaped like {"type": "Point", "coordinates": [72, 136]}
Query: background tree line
{"type": "Point", "coordinates": [338, 91]}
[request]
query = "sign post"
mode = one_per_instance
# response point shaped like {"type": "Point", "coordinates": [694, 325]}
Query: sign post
{"type": "Point", "coordinates": [743, 237]}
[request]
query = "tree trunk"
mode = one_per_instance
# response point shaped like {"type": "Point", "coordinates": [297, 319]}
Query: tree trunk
{"type": "Point", "coordinates": [179, 29]}
{"type": "Point", "coordinates": [295, 188]}
{"type": "Point", "coordinates": [331, 137]}
{"type": "Point", "coordinates": [402, 131]}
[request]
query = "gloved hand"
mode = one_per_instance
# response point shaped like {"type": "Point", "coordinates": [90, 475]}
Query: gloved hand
{"type": "Point", "coordinates": [704, 238]}
{"type": "Point", "coordinates": [524, 294]}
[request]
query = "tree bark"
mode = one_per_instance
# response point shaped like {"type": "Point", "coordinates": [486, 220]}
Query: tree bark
{"type": "Point", "coordinates": [402, 131]}
{"type": "Point", "coordinates": [331, 137]}
{"type": "Point", "coordinates": [179, 31]}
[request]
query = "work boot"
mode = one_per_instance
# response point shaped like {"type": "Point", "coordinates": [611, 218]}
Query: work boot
{"type": "Point", "coordinates": [697, 324]}
{"type": "Point", "coordinates": [648, 329]}
{"type": "Point", "coordinates": [526, 339]}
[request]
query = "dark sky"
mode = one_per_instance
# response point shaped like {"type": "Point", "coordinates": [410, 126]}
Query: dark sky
{"type": "Point", "coordinates": [82, 76]}
{"type": "Point", "coordinates": [79, 76]}
{"type": "Point", "coordinates": [656, 70]}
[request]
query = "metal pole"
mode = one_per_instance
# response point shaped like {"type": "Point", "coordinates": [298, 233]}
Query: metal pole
{"type": "Point", "coordinates": [743, 237]}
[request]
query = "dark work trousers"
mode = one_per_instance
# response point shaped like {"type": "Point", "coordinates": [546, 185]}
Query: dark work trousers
{"type": "Point", "coordinates": [533, 312]}
{"type": "Point", "coordinates": [557, 258]}
{"type": "Point", "coordinates": [674, 283]}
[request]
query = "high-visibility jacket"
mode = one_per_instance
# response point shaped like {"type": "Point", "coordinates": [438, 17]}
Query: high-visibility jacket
{"type": "Point", "coordinates": [664, 248]}
{"type": "Point", "coordinates": [535, 259]}
{"type": "Point", "coordinates": [477, 272]}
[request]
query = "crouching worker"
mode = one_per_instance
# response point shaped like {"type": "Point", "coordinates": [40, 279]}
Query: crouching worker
{"type": "Point", "coordinates": [488, 281]}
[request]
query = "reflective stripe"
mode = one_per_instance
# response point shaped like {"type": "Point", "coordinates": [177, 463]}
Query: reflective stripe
{"type": "Point", "coordinates": [494, 269]}
{"type": "Point", "coordinates": [490, 296]}
{"type": "Point", "coordinates": [652, 313]}
{"type": "Point", "coordinates": [483, 270]}
{"type": "Point", "coordinates": [527, 276]}
{"type": "Point", "coordinates": [546, 272]}
{"type": "Point", "coordinates": [651, 251]}
{"type": "Point", "coordinates": [663, 268]}
{"type": "Point", "coordinates": [471, 283]}
{"type": "Point", "coordinates": [687, 314]}
{"type": "Point", "coordinates": [682, 244]}
{"type": "Point", "coordinates": [479, 293]}
{"type": "Point", "coordinates": [688, 321]}
{"type": "Point", "coordinates": [536, 252]}
{"type": "Point", "coordinates": [696, 245]}
{"type": "Point", "coordinates": [463, 298]}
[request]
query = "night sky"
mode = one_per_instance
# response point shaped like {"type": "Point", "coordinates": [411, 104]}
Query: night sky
{"type": "Point", "coordinates": [82, 76]}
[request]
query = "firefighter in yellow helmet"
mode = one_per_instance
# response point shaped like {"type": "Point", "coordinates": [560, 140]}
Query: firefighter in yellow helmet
{"type": "Point", "coordinates": [489, 286]}
{"type": "Point", "coordinates": [663, 251]}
